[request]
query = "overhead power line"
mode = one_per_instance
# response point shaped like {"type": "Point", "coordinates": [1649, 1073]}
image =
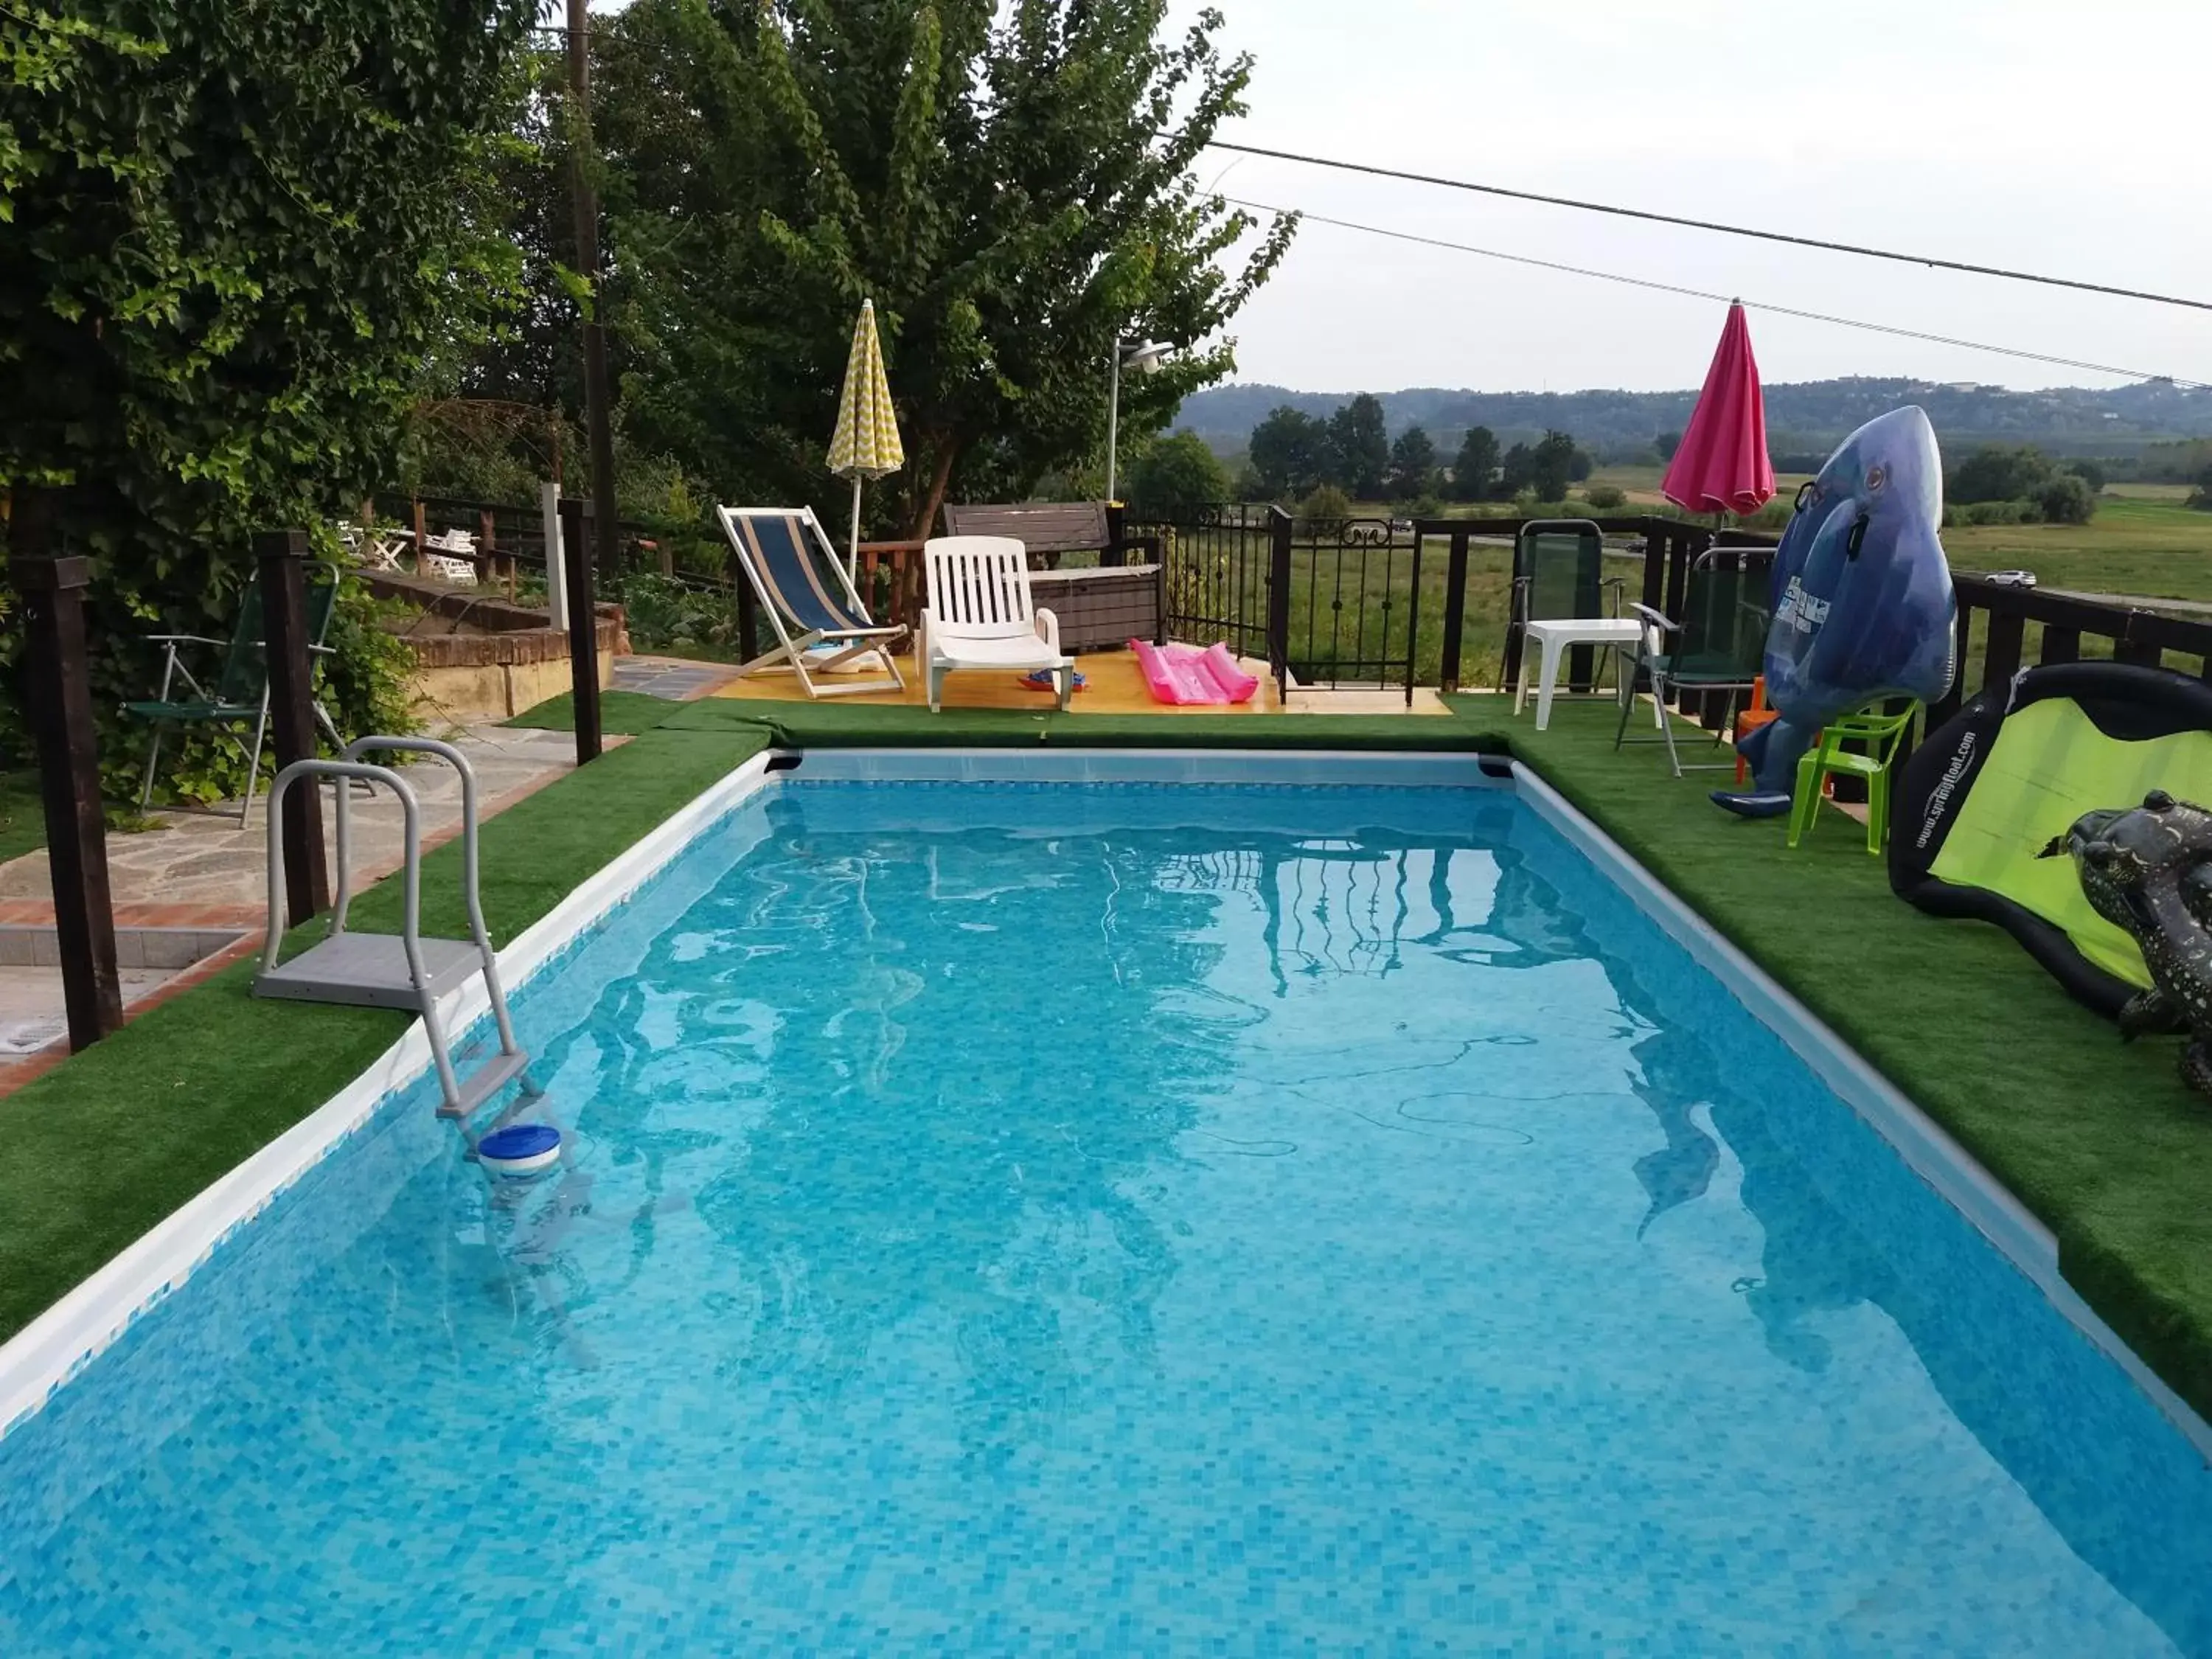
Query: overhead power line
{"type": "Point", "coordinates": [1713, 225]}
{"type": "Point", "coordinates": [1725, 299]}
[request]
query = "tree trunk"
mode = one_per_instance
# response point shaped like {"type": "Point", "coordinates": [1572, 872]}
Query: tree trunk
{"type": "Point", "coordinates": [940, 479]}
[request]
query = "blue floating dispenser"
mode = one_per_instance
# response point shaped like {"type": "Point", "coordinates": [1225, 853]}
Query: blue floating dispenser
{"type": "Point", "coordinates": [520, 1150]}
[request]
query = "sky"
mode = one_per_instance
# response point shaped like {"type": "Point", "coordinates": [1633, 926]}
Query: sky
{"type": "Point", "coordinates": [2044, 134]}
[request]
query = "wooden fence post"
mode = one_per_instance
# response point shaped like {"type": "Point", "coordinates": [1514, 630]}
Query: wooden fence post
{"type": "Point", "coordinates": [1279, 601]}
{"type": "Point", "coordinates": [59, 680]}
{"type": "Point", "coordinates": [283, 555]}
{"type": "Point", "coordinates": [748, 614]}
{"type": "Point", "coordinates": [1455, 607]}
{"type": "Point", "coordinates": [583, 630]}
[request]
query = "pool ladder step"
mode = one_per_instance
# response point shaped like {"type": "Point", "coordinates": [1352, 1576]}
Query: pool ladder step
{"type": "Point", "coordinates": [393, 971]}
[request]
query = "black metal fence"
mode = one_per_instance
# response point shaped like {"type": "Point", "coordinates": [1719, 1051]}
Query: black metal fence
{"type": "Point", "coordinates": [1332, 602]}
{"type": "Point", "coordinates": [1217, 560]}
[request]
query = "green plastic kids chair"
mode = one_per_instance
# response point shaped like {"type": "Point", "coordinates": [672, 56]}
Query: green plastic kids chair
{"type": "Point", "coordinates": [1881, 734]}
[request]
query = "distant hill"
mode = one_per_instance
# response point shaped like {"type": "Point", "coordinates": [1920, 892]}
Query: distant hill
{"type": "Point", "coordinates": [1809, 416]}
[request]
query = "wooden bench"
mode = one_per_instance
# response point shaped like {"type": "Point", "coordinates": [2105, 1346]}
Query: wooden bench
{"type": "Point", "coordinates": [1049, 529]}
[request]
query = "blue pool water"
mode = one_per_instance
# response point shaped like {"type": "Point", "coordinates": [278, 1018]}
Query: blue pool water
{"type": "Point", "coordinates": [1115, 1220]}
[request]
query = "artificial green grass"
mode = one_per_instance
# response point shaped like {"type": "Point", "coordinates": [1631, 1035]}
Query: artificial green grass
{"type": "Point", "coordinates": [102, 1148]}
{"type": "Point", "coordinates": [2099, 1137]}
{"type": "Point", "coordinates": [22, 818]}
{"type": "Point", "coordinates": [622, 713]}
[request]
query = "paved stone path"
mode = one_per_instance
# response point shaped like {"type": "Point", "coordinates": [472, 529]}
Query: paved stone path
{"type": "Point", "coordinates": [203, 871]}
{"type": "Point", "coordinates": [673, 677]}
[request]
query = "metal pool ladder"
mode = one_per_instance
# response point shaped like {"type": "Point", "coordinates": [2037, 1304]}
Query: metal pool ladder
{"type": "Point", "coordinates": [393, 970]}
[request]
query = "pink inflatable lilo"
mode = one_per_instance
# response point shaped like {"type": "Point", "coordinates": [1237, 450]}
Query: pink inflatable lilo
{"type": "Point", "coordinates": [1185, 674]}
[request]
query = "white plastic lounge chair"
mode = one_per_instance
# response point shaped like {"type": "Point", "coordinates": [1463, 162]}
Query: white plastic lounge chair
{"type": "Point", "coordinates": [810, 599]}
{"type": "Point", "coordinates": [980, 615]}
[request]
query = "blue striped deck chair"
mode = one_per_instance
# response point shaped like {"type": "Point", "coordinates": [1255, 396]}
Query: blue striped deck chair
{"type": "Point", "coordinates": [810, 600]}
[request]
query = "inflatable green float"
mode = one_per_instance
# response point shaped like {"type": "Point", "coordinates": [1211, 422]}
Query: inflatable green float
{"type": "Point", "coordinates": [2012, 772]}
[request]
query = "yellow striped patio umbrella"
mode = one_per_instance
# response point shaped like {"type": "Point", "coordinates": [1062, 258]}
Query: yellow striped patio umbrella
{"type": "Point", "coordinates": [866, 444]}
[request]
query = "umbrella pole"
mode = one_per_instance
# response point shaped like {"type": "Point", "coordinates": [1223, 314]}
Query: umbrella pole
{"type": "Point", "coordinates": [852, 556]}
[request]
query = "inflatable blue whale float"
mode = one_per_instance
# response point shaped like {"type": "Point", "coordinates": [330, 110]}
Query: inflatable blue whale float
{"type": "Point", "coordinates": [1863, 601]}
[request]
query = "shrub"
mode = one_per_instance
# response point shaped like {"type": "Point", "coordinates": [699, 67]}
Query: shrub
{"type": "Point", "coordinates": [663, 614]}
{"type": "Point", "coordinates": [2000, 512]}
{"type": "Point", "coordinates": [1605, 498]}
{"type": "Point", "coordinates": [1326, 504]}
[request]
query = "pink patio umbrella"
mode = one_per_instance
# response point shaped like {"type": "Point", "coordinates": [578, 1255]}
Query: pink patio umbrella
{"type": "Point", "coordinates": [1720, 464]}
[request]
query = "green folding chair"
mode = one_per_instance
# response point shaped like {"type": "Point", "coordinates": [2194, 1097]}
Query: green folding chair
{"type": "Point", "coordinates": [241, 691]}
{"type": "Point", "coordinates": [1558, 574]}
{"type": "Point", "coordinates": [1719, 644]}
{"type": "Point", "coordinates": [1881, 734]}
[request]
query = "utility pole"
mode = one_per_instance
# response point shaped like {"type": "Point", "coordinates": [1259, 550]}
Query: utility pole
{"type": "Point", "coordinates": [598, 421]}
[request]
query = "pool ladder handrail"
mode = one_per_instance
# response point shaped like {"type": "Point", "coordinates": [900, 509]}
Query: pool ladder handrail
{"type": "Point", "coordinates": [344, 973]}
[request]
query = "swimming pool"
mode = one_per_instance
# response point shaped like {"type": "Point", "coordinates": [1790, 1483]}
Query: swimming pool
{"type": "Point", "coordinates": [1118, 1217]}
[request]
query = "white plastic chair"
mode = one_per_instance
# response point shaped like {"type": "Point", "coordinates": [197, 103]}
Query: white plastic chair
{"type": "Point", "coordinates": [980, 615]}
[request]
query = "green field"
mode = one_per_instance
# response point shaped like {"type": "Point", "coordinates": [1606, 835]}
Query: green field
{"type": "Point", "coordinates": [2156, 548]}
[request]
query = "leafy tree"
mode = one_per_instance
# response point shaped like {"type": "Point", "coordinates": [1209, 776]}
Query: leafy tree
{"type": "Point", "coordinates": [1579, 464]}
{"type": "Point", "coordinates": [1666, 443]}
{"type": "Point", "coordinates": [1290, 453]}
{"type": "Point", "coordinates": [1413, 465]}
{"type": "Point", "coordinates": [1175, 474]}
{"type": "Point", "coordinates": [1476, 463]}
{"type": "Point", "coordinates": [233, 242]}
{"type": "Point", "coordinates": [1360, 447]}
{"type": "Point", "coordinates": [2065, 498]}
{"type": "Point", "coordinates": [1998, 472]}
{"type": "Point", "coordinates": [2095, 474]}
{"type": "Point", "coordinates": [1551, 466]}
{"type": "Point", "coordinates": [1011, 186]}
{"type": "Point", "coordinates": [1517, 472]}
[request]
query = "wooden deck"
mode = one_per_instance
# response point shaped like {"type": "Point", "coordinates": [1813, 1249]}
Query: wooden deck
{"type": "Point", "coordinates": [1113, 685]}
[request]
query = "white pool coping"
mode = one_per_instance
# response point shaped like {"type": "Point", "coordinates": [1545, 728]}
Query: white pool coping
{"type": "Point", "coordinates": [61, 1341]}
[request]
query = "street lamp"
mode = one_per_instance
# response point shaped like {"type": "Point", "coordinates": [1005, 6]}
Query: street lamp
{"type": "Point", "coordinates": [1139, 356]}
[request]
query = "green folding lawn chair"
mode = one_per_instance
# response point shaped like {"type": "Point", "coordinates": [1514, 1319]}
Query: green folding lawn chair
{"type": "Point", "coordinates": [1558, 574]}
{"type": "Point", "coordinates": [1881, 734]}
{"type": "Point", "coordinates": [1717, 645]}
{"type": "Point", "coordinates": [241, 693]}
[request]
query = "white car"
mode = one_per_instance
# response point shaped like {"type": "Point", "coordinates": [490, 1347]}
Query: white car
{"type": "Point", "coordinates": [2010, 578]}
